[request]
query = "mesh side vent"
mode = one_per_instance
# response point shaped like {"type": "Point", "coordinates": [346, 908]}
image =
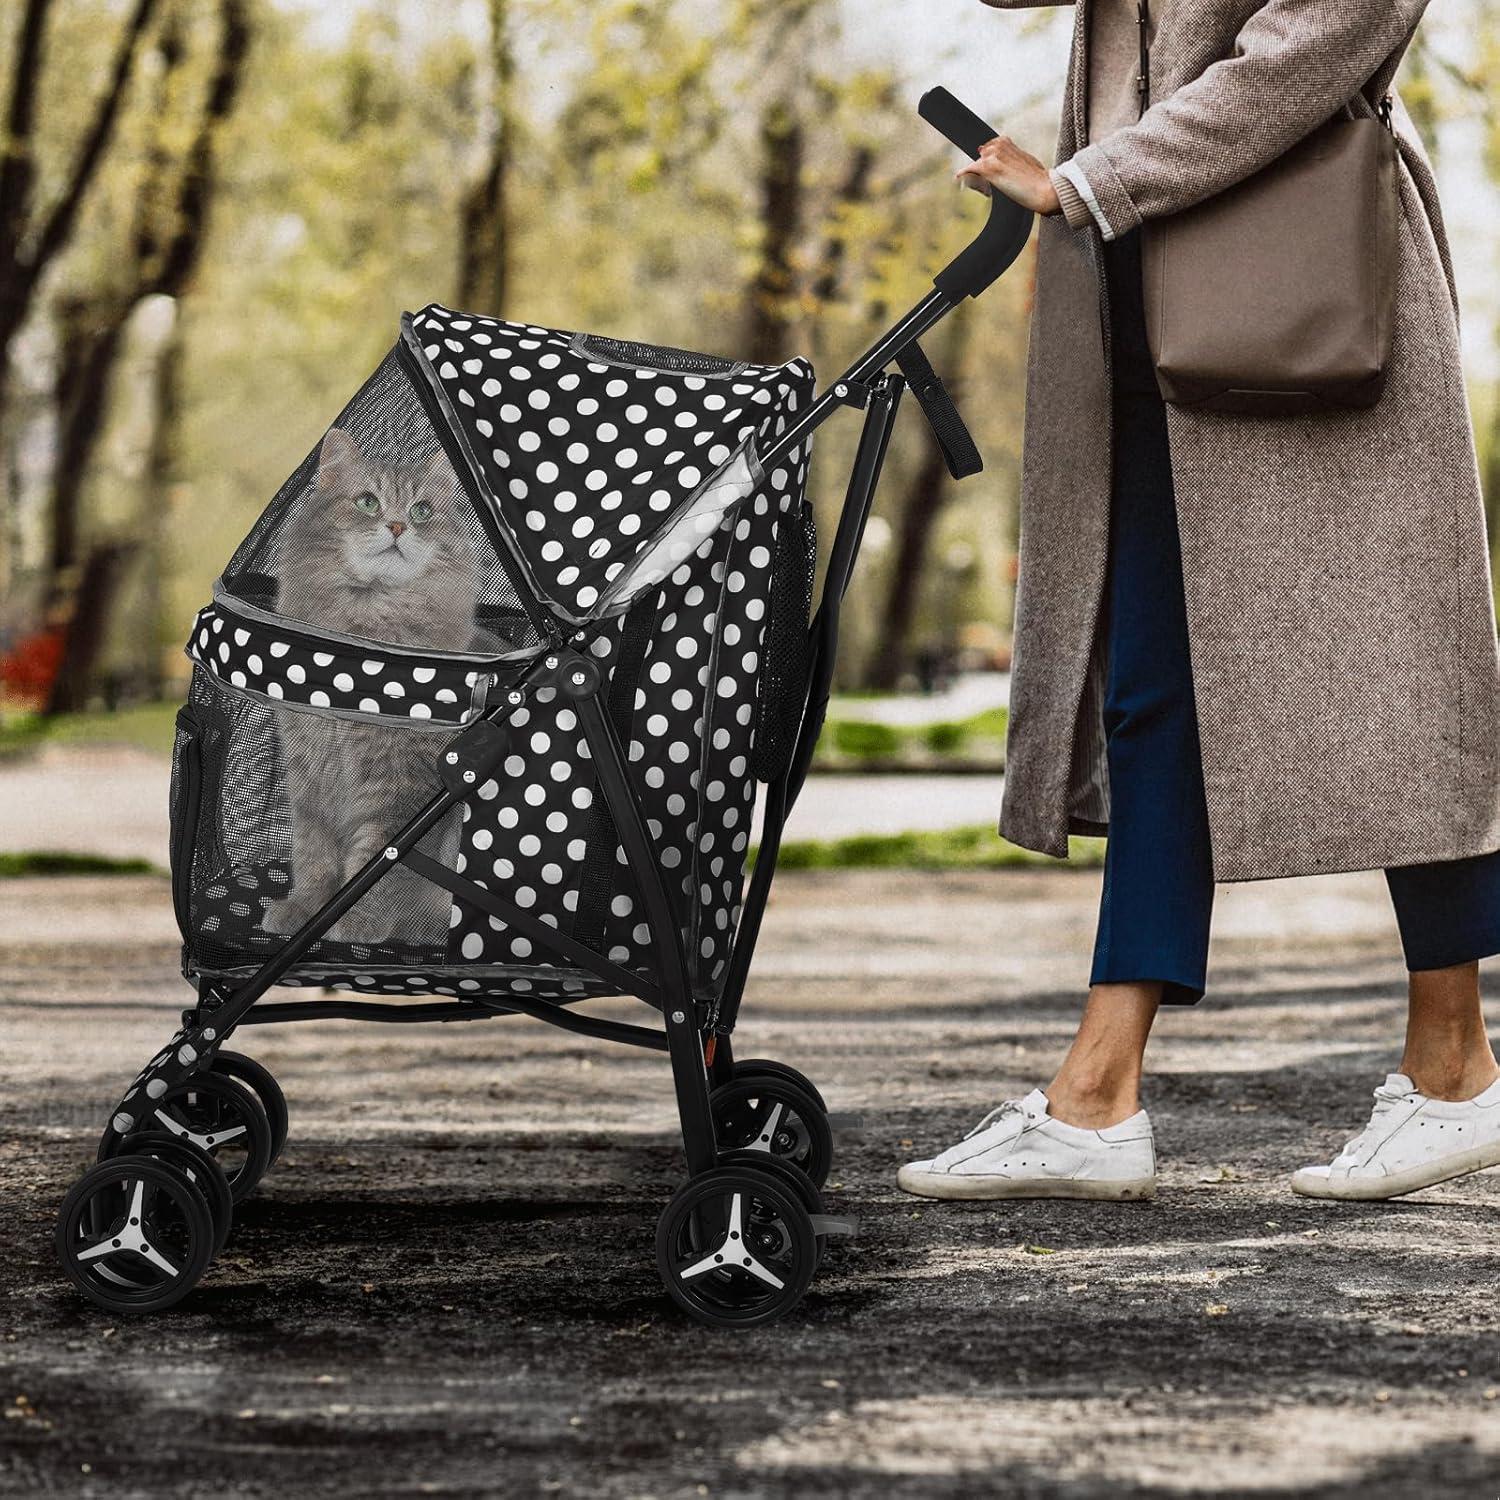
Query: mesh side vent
{"type": "Point", "coordinates": [653, 356]}
{"type": "Point", "coordinates": [788, 652]}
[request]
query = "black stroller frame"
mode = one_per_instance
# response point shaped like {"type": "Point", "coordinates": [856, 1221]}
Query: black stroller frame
{"type": "Point", "coordinates": [761, 1196]}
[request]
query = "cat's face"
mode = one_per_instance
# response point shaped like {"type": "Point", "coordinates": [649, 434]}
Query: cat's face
{"type": "Point", "coordinates": [386, 525]}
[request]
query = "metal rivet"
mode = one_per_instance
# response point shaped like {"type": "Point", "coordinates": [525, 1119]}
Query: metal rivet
{"type": "Point", "coordinates": [468, 776]}
{"type": "Point", "coordinates": [678, 1017]}
{"type": "Point", "coordinates": [551, 663]}
{"type": "Point", "coordinates": [841, 389]}
{"type": "Point", "coordinates": [512, 697]}
{"type": "Point", "coordinates": [451, 757]}
{"type": "Point", "coordinates": [392, 852]}
{"type": "Point", "coordinates": [122, 1122]}
{"type": "Point", "coordinates": [579, 678]}
{"type": "Point", "coordinates": [209, 1034]}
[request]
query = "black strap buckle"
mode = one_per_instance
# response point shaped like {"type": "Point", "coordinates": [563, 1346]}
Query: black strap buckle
{"type": "Point", "coordinates": [959, 450]}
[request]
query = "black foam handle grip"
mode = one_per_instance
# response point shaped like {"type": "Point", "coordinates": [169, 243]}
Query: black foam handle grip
{"type": "Point", "coordinates": [955, 120]}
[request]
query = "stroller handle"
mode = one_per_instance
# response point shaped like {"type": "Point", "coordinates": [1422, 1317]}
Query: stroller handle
{"type": "Point", "coordinates": [1008, 227]}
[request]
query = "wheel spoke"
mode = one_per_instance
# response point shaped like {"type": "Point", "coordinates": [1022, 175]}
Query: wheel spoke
{"type": "Point", "coordinates": [149, 1252]}
{"type": "Point", "coordinates": [754, 1267]}
{"type": "Point", "coordinates": [104, 1247]}
{"type": "Point", "coordinates": [714, 1261]}
{"type": "Point", "coordinates": [137, 1201]}
{"type": "Point", "coordinates": [767, 1132]}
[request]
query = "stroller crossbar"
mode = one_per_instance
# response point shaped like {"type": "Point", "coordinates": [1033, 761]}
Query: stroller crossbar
{"type": "Point", "coordinates": [480, 712]}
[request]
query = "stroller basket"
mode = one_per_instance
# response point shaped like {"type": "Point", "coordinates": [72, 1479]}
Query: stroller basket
{"type": "Point", "coordinates": [480, 713]}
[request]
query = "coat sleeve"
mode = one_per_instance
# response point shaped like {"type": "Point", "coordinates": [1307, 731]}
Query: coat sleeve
{"type": "Point", "coordinates": [1295, 64]}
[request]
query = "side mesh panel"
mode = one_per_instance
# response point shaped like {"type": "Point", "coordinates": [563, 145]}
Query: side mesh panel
{"type": "Point", "coordinates": [291, 804]}
{"type": "Point", "coordinates": [783, 678]}
{"type": "Point", "coordinates": [376, 537]}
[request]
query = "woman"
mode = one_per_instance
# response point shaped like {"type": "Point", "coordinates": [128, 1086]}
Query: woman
{"type": "Point", "coordinates": [1245, 646]}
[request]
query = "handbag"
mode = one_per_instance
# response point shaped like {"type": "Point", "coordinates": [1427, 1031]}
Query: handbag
{"type": "Point", "coordinates": [1277, 296]}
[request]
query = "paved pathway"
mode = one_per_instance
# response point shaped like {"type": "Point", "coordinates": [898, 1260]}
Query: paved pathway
{"type": "Point", "coordinates": [446, 1284]}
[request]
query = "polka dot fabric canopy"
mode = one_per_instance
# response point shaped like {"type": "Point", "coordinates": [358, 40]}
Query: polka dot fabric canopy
{"type": "Point", "coordinates": [608, 462]}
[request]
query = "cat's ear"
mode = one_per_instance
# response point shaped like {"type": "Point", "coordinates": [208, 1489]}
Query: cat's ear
{"type": "Point", "coordinates": [339, 460]}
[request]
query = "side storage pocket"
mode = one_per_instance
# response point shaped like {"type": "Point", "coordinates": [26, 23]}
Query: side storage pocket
{"type": "Point", "coordinates": [787, 651]}
{"type": "Point", "coordinates": [186, 802]}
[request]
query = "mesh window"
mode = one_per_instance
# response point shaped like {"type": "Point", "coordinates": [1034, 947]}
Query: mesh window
{"type": "Point", "coordinates": [289, 804]}
{"type": "Point", "coordinates": [376, 537]}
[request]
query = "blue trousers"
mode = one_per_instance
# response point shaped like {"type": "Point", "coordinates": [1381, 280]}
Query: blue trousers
{"type": "Point", "coordinates": [1157, 905]}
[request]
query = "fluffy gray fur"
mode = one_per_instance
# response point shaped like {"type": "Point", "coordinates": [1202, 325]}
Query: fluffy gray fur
{"type": "Point", "coordinates": [383, 552]}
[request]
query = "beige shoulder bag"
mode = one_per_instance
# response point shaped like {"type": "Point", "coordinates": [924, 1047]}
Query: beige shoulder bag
{"type": "Point", "coordinates": [1277, 296]}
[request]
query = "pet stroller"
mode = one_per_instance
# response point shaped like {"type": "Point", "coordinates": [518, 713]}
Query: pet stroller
{"type": "Point", "coordinates": [478, 715]}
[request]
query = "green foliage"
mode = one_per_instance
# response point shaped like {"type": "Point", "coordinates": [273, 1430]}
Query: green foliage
{"type": "Point", "coordinates": [13, 866]}
{"type": "Point", "coordinates": [973, 848]}
{"type": "Point", "coordinates": [851, 737]}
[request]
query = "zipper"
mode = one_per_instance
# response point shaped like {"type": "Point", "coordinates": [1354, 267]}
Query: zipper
{"type": "Point", "coordinates": [434, 400]}
{"type": "Point", "coordinates": [188, 800]}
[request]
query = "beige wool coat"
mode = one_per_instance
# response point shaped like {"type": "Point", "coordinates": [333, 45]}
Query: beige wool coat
{"type": "Point", "coordinates": [1335, 566]}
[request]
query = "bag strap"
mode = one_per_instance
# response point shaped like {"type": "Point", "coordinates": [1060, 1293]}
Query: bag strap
{"type": "Point", "coordinates": [959, 451]}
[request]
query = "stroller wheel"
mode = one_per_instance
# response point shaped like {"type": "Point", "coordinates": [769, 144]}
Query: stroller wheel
{"type": "Point", "coordinates": [223, 1118]}
{"type": "Point", "coordinates": [735, 1247]}
{"type": "Point", "coordinates": [790, 1175]}
{"type": "Point", "coordinates": [257, 1078]}
{"type": "Point", "coordinates": [764, 1067]}
{"type": "Point", "coordinates": [776, 1116]}
{"type": "Point", "coordinates": [197, 1165]}
{"type": "Point", "coordinates": [134, 1234]}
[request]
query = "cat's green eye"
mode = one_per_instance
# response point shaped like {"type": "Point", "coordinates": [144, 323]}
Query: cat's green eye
{"type": "Point", "coordinates": [367, 503]}
{"type": "Point", "coordinates": [421, 511]}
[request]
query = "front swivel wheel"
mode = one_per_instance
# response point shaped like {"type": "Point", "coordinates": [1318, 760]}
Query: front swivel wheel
{"type": "Point", "coordinates": [736, 1247]}
{"type": "Point", "coordinates": [135, 1234]}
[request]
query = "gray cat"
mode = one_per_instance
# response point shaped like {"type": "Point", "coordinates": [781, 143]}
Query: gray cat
{"type": "Point", "coordinates": [379, 551]}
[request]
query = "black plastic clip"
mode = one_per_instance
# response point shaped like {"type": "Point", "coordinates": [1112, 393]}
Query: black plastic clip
{"type": "Point", "coordinates": [469, 761]}
{"type": "Point", "coordinates": [855, 393]}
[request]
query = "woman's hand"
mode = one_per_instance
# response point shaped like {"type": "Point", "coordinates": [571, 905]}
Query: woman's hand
{"type": "Point", "coordinates": [1018, 174]}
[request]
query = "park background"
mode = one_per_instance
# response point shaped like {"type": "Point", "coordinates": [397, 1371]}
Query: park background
{"type": "Point", "coordinates": [211, 215]}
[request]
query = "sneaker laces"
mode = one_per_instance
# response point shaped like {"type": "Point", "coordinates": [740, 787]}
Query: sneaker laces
{"type": "Point", "coordinates": [1386, 1098]}
{"type": "Point", "coordinates": [1008, 1107]}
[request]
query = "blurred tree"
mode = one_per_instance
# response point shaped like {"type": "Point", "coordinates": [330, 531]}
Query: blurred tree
{"type": "Point", "coordinates": [168, 225]}
{"type": "Point", "coordinates": [32, 237]}
{"type": "Point", "coordinates": [484, 265]}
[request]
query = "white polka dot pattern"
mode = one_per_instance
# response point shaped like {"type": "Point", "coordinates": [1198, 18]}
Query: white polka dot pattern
{"type": "Point", "coordinates": [426, 691]}
{"type": "Point", "coordinates": [589, 461]}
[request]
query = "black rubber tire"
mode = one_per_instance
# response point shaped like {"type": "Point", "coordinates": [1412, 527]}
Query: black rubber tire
{"type": "Point", "coordinates": [197, 1165]}
{"type": "Point", "coordinates": [259, 1080]}
{"type": "Point", "coordinates": [179, 1227]}
{"type": "Point", "coordinates": [205, 1103]}
{"type": "Point", "coordinates": [751, 1066]}
{"type": "Point", "coordinates": [802, 1135]}
{"type": "Point", "coordinates": [779, 1239]}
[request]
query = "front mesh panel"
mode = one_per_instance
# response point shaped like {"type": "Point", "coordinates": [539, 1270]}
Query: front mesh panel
{"type": "Point", "coordinates": [375, 537]}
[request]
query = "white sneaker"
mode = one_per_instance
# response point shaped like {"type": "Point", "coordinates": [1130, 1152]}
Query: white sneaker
{"type": "Point", "coordinates": [1411, 1142]}
{"type": "Point", "coordinates": [1020, 1151]}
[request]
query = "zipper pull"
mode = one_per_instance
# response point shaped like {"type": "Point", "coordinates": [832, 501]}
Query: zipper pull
{"type": "Point", "coordinates": [1143, 75]}
{"type": "Point", "coordinates": [1383, 113]}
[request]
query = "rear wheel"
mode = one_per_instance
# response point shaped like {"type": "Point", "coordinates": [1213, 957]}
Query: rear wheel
{"type": "Point", "coordinates": [775, 1116]}
{"type": "Point", "coordinates": [735, 1247]}
{"type": "Point", "coordinates": [766, 1067]}
{"type": "Point", "coordinates": [134, 1234]}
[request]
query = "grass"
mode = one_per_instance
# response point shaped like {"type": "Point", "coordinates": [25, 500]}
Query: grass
{"type": "Point", "coordinates": [149, 726]}
{"type": "Point", "coordinates": [981, 734]}
{"type": "Point", "coordinates": [62, 862]}
{"type": "Point", "coordinates": [977, 847]}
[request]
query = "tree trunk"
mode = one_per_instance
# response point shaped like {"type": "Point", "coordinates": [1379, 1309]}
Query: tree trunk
{"type": "Point", "coordinates": [767, 319]}
{"type": "Point", "coordinates": [484, 266]}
